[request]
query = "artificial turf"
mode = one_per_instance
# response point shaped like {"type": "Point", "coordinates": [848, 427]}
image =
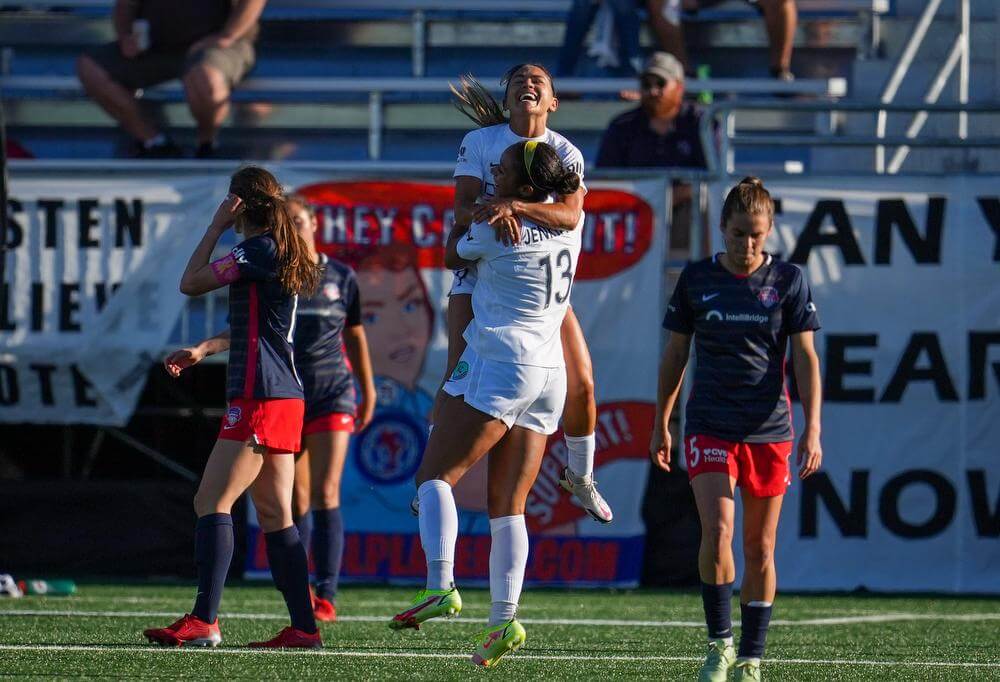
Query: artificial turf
{"type": "Point", "coordinates": [597, 635]}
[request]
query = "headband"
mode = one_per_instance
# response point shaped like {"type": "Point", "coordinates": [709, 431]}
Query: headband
{"type": "Point", "coordinates": [529, 156]}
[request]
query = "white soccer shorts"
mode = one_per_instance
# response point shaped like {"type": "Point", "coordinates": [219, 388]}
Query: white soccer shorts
{"type": "Point", "coordinates": [521, 395]}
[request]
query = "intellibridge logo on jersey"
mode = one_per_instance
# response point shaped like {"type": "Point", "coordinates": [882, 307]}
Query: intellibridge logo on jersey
{"type": "Point", "coordinates": [617, 231]}
{"type": "Point", "coordinates": [755, 318]}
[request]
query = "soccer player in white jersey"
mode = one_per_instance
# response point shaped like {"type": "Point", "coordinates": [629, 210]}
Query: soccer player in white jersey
{"type": "Point", "coordinates": [529, 98]}
{"type": "Point", "coordinates": [504, 396]}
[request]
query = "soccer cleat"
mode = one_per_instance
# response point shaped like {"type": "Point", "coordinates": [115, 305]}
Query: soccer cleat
{"type": "Point", "coordinates": [721, 657]}
{"type": "Point", "coordinates": [291, 638]}
{"type": "Point", "coordinates": [585, 490]}
{"type": "Point", "coordinates": [324, 610]}
{"type": "Point", "coordinates": [426, 605]}
{"type": "Point", "coordinates": [748, 671]}
{"type": "Point", "coordinates": [496, 642]}
{"type": "Point", "coordinates": [188, 630]}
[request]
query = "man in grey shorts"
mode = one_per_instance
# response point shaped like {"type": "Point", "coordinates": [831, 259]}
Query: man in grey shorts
{"type": "Point", "coordinates": [208, 44]}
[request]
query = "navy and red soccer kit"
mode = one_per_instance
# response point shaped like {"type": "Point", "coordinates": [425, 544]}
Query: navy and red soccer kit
{"type": "Point", "coordinates": [319, 349]}
{"type": "Point", "coordinates": [738, 417]}
{"type": "Point", "coordinates": [264, 392]}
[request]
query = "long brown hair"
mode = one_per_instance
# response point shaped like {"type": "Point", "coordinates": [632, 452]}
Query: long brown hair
{"type": "Point", "coordinates": [265, 207]}
{"type": "Point", "coordinates": [475, 100]}
{"type": "Point", "coordinates": [749, 197]}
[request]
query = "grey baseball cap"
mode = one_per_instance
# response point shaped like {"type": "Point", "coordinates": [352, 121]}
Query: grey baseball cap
{"type": "Point", "coordinates": [664, 65]}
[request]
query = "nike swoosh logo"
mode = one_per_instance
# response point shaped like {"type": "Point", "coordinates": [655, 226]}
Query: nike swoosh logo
{"type": "Point", "coordinates": [708, 297]}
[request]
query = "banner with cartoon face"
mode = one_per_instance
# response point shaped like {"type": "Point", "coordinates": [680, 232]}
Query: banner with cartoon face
{"type": "Point", "coordinates": [391, 233]}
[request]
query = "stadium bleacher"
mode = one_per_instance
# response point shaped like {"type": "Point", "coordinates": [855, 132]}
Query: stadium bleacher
{"type": "Point", "coordinates": [317, 53]}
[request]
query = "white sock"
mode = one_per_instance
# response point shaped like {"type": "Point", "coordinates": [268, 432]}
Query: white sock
{"type": "Point", "coordinates": [438, 532]}
{"type": "Point", "coordinates": [508, 559]}
{"type": "Point", "coordinates": [581, 454]}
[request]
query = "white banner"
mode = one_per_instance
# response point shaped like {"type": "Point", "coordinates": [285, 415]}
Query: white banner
{"type": "Point", "coordinates": [906, 276]}
{"type": "Point", "coordinates": [74, 347]}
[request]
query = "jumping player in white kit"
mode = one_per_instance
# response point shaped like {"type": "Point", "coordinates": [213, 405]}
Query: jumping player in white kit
{"type": "Point", "coordinates": [504, 397]}
{"type": "Point", "coordinates": [529, 98]}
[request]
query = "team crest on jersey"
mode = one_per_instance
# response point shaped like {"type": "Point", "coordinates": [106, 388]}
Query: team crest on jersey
{"type": "Point", "coordinates": [233, 417]}
{"type": "Point", "coordinates": [461, 370]}
{"type": "Point", "coordinates": [768, 296]}
{"type": "Point", "coordinates": [389, 450]}
{"type": "Point", "coordinates": [331, 291]}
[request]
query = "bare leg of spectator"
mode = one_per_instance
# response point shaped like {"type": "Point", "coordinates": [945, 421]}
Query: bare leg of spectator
{"type": "Point", "coordinates": [114, 98]}
{"type": "Point", "coordinates": [781, 17]}
{"type": "Point", "coordinates": [669, 34]}
{"type": "Point", "coordinates": [208, 98]}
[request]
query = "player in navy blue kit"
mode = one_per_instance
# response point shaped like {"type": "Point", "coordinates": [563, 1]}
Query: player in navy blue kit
{"type": "Point", "coordinates": [265, 274]}
{"type": "Point", "coordinates": [742, 307]}
{"type": "Point", "coordinates": [328, 323]}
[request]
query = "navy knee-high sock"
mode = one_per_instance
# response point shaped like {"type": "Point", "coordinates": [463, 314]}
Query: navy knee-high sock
{"type": "Point", "coordinates": [753, 633]}
{"type": "Point", "coordinates": [287, 558]}
{"type": "Point", "coordinates": [305, 525]}
{"type": "Point", "coordinates": [213, 552]}
{"type": "Point", "coordinates": [718, 609]}
{"type": "Point", "coordinates": [328, 550]}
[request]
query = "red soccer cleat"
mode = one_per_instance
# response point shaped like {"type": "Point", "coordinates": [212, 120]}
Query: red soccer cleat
{"type": "Point", "coordinates": [291, 638]}
{"type": "Point", "coordinates": [188, 630]}
{"type": "Point", "coordinates": [324, 610]}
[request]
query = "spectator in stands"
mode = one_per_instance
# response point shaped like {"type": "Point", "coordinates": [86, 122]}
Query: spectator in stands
{"type": "Point", "coordinates": [662, 130]}
{"type": "Point", "coordinates": [624, 26]}
{"type": "Point", "coordinates": [780, 17]}
{"type": "Point", "coordinates": [208, 44]}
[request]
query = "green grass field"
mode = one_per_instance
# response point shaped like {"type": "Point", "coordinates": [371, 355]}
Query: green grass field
{"type": "Point", "coordinates": [582, 635]}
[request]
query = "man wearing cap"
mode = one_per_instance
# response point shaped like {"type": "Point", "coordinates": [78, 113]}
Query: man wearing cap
{"type": "Point", "coordinates": [663, 130]}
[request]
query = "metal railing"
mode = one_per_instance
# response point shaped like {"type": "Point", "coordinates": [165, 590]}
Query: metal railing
{"type": "Point", "coordinates": [307, 89]}
{"type": "Point", "coordinates": [720, 121]}
{"type": "Point", "coordinates": [958, 56]}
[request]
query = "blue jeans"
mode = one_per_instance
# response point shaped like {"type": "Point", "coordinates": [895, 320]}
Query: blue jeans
{"type": "Point", "coordinates": [578, 22]}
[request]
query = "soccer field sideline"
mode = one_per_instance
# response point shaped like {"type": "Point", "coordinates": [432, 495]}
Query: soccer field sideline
{"type": "Point", "coordinates": [596, 622]}
{"type": "Point", "coordinates": [522, 656]}
{"type": "Point", "coordinates": [572, 635]}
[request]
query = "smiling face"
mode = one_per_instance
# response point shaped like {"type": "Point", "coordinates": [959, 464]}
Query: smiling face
{"type": "Point", "coordinates": [530, 93]}
{"type": "Point", "coordinates": [745, 235]}
{"type": "Point", "coordinates": [397, 317]}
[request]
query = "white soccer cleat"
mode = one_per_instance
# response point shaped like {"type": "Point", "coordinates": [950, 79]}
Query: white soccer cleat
{"type": "Point", "coordinates": [585, 491]}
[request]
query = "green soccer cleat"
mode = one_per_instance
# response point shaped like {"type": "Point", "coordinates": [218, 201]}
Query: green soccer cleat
{"type": "Point", "coordinates": [494, 643]}
{"type": "Point", "coordinates": [748, 671]}
{"type": "Point", "coordinates": [426, 605]}
{"type": "Point", "coordinates": [721, 657]}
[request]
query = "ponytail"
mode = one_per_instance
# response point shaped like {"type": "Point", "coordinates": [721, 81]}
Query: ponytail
{"type": "Point", "coordinates": [477, 103]}
{"type": "Point", "coordinates": [266, 206]}
{"type": "Point", "coordinates": [749, 197]}
{"type": "Point", "coordinates": [542, 168]}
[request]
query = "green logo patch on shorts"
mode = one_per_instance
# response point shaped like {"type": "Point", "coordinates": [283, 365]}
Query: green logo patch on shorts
{"type": "Point", "coordinates": [461, 369]}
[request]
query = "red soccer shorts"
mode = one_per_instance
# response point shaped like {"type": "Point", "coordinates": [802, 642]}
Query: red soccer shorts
{"type": "Point", "coordinates": [334, 421]}
{"type": "Point", "coordinates": [761, 469]}
{"type": "Point", "coordinates": [275, 423]}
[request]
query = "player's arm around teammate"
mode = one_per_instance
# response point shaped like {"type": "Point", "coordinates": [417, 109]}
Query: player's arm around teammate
{"type": "Point", "coordinates": [741, 307]}
{"type": "Point", "coordinates": [264, 273]}
{"type": "Point", "coordinates": [504, 398]}
{"type": "Point", "coordinates": [529, 98]}
{"type": "Point", "coordinates": [327, 324]}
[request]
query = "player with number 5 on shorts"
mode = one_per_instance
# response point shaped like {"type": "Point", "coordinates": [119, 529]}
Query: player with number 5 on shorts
{"type": "Point", "coordinates": [743, 307]}
{"type": "Point", "coordinates": [504, 397]}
